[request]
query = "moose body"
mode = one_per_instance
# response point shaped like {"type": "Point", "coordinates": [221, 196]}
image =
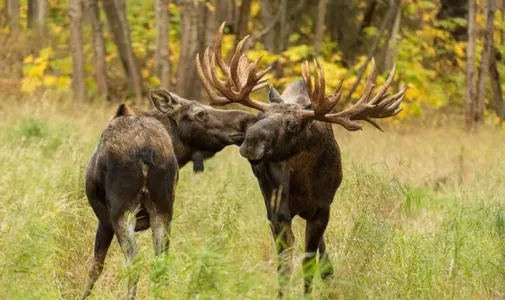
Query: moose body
{"type": "Point", "coordinates": [298, 172]}
{"type": "Point", "coordinates": [132, 174]}
{"type": "Point", "coordinates": [291, 146]}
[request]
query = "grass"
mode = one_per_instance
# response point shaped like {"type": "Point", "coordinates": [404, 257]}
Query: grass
{"type": "Point", "coordinates": [420, 215]}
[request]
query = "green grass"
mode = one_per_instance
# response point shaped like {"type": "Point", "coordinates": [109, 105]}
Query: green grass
{"type": "Point", "coordinates": [420, 215]}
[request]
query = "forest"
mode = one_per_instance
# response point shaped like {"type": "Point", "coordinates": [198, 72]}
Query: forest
{"type": "Point", "coordinates": [420, 213]}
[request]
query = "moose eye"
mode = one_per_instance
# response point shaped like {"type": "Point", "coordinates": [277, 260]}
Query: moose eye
{"type": "Point", "coordinates": [200, 115]}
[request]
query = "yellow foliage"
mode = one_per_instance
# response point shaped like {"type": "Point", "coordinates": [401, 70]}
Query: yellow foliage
{"type": "Point", "coordinates": [28, 59]}
{"type": "Point", "coordinates": [110, 56]}
{"type": "Point", "coordinates": [154, 81]}
{"type": "Point", "coordinates": [150, 63]}
{"type": "Point", "coordinates": [255, 8]}
{"type": "Point", "coordinates": [63, 81]}
{"type": "Point", "coordinates": [46, 52]}
{"type": "Point", "coordinates": [50, 80]}
{"type": "Point", "coordinates": [459, 50]}
{"type": "Point", "coordinates": [145, 73]}
{"type": "Point", "coordinates": [37, 70]}
{"type": "Point", "coordinates": [210, 6]}
{"type": "Point", "coordinates": [30, 84]}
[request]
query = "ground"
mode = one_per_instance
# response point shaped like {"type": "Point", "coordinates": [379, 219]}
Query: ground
{"type": "Point", "coordinates": [420, 214]}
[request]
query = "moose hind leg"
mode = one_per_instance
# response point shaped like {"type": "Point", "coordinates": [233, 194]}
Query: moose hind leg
{"type": "Point", "coordinates": [161, 183]}
{"type": "Point", "coordinates": [313, 236]}
{"type": "Point", "coordinates": [124, 228]}
{"type": "Point", "coordinates": [103, 240]}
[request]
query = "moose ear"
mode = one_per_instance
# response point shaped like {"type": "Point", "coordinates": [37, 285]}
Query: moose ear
{"type": "Point", "coordinates": [274, 96]}
{"type": "Point", "coordinates": [164, 102]}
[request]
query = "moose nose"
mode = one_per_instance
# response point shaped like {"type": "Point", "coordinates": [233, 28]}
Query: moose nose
{"type": "Point", "coordinates": [252, 153]}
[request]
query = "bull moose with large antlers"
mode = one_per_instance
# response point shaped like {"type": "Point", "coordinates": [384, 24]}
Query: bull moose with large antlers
{"type": "Point", "coordinates": [291, 147]}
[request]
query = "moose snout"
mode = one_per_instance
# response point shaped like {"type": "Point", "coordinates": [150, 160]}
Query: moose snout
{"type": "Point", "coordinates": [252, 152]}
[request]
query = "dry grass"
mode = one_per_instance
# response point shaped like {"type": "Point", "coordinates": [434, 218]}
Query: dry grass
{"type": "Point", "coordinates": [420, 214]}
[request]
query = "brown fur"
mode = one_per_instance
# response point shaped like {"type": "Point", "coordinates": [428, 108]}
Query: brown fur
{"type": "Point", "coordinates": [297, 163]}
{"type": "Point", "coordinates": [132, 174]}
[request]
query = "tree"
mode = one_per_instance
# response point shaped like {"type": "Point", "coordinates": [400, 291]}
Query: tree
{"type": "Point", "coordinates": [192, 14]}
{"type": "Point", "coordinates": [243, 20]}
{"type": "Point", "coordinates": [496, 90]}
{"type": "Point", "coordinates": [100, 66]}
{"type": "Point", "coordinates": [37, 10]}
{"type": "Point", "coordinates": [321, 13]}
{"type": "Point", "coordinates": [269, 35]}
{"type": "Point", "coordinates": [485, 59]}
{"type": "Point", "coordinates": [115, 10]}
{"type": "Point", "coordinates": [76, 47]}
{"type": "Point", "coordinates": [470, 65]}
{"type": "Point", "coordinates": [12, 13]}
{"type": "Point", "coordinates": [162, 51]}
{"type": "Point", "coordinates": [391, 49]}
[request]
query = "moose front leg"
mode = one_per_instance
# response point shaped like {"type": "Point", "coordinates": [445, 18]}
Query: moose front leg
{"type": "Point", "coordinates": [313, 241]}
{"type": "Point", "coordinates": [284, 240]}
{"type": "Point", "coordinates": [275, 187]}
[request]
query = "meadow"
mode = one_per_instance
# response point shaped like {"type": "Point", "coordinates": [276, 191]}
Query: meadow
{"type": "Point", "coordinates": [420, 215]}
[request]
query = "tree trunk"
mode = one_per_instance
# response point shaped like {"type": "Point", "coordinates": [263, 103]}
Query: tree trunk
{"type": "Point", "coordinates": [266, 15]}
{"type": "Point", "coordinates": [283, 27]}
{"type": "Point", "coordinates": [162, 50]}
{"type": "Point", "coordinates": [37, 10]}
{"type": "Point", "coordinates": [12, 13]}
{"type": "Point", "coordinates": [318, 38]}
{"type": "Point", "coordinates": [76, 46]}
{"type": "Point", "coordinates": [502, 31]}
{"type": "Point", "coordinates": [187, 80]}
{"type": "Point", "coordinates": [470, 65]}
{"type": "Point", "coordinates": [496, 90]}
{"type": "Point", "coordinates": [485, 58]}
{"type": "Point", "coordinates": [392, 48]}
{"type": "Point", "coordinates": [99, 64]}
{"type": "Point", "coordinates": [115, 11]}
{"type": "Point", "coordinates": [243, 20]}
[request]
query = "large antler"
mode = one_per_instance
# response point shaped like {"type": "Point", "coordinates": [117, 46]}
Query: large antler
{"type": "Point", "coordinates": [380, 106]}
{"type": "Point", "coordinates": [242, 77]}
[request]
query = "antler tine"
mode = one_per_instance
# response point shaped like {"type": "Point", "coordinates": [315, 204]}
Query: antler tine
{"type": "Point", "coordinates": [214, 98]}
{"type": "Point", "coordinates": [382, 105]}
{"type": "Point", "coordinates": [322, 84]}
{"type": "Point", "coordinates": [385, 86]}
{"type": "Point", "coordinates": [220, 85]}
{"type": "Point", "coordinates": [234, 78]}
{"type": "Point", "coordinates": [218, 43]}
{"type": "Point", "coordinates": [240, 80]}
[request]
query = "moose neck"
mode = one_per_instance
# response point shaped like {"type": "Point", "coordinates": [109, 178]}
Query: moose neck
{"type": "Point", "coordinates": [183, 152]}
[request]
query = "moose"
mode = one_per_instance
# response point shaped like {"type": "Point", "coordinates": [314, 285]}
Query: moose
{"type": "Point", "coordinates": [291, 147]}
{"type": "Point", "coordinates": [132, 174]}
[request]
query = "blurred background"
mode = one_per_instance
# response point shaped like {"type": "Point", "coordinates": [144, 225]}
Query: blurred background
{"type": "Point", "coordinates": [114, 50]}
{"type": "Point", "coordinates": [420, 213]}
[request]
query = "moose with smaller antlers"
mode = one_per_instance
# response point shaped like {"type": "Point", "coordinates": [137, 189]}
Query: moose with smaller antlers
{"type": "Point", "coordinates": [132, 174]}
{"type": "Point", "coordinates": [292, 148]}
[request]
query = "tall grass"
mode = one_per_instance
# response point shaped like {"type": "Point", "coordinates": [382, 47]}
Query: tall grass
{"type": "Point", "coordinates": [420, 214]}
